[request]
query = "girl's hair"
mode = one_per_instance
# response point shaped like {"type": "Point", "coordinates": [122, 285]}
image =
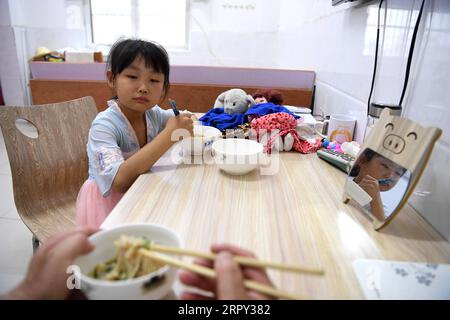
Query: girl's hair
{"type": "Point", "coordinates": [368, 155]}
{"type": "Point", "coordinates": [125, 51]}
{"type": "Point", "coordinates": [271, 95]}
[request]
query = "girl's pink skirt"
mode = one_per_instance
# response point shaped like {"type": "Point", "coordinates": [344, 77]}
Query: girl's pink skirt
{"type": "Point", "coordinates": [92, 207]}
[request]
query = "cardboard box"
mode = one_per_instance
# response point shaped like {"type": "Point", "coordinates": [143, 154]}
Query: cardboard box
{"type": "Point", "coordinates": [83, 56]}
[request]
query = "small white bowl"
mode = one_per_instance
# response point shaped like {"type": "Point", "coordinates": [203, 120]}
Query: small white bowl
{"type": "Point", "coordinates": [155, 285]}
{"type": "Point", "coordinates": [237, 156]}
{"type": "Point", "coordinates": [204, 136]}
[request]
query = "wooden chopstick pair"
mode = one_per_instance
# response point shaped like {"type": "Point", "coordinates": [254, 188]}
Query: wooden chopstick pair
{"type": "Point", "coordinates": [207, 272]}
{"type": "Point", "coordinates": [243, 261]}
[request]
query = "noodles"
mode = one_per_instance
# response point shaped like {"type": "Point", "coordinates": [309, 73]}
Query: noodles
{"type": "Point", "coordinates": [128, 263]}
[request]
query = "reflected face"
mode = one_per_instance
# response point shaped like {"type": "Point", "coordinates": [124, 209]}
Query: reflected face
{"type": "Point", "coordinates": [385, 171]}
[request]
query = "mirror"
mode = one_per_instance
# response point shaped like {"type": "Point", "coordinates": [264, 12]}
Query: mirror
{"type": "Point", "coordinates": [377, 183]}
{"type": "Point", "coordinates": [389, 166]}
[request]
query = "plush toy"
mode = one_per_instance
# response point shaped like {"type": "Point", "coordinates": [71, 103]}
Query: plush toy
{"type": "Point", "coordinates": [277, 131]}
{"type": "Point", "coordinates": [279, 143]}
{"type": "Point", "coordinates": [268, 95]}
{"type": "Point", "coordinates": [234, 101]}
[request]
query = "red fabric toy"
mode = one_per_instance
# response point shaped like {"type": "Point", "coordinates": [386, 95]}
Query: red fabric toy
{"type": "Point", "coordinates": [283, 124]}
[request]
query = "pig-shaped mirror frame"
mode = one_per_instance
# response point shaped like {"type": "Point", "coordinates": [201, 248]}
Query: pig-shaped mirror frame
{"type": "Point", "coordinates": [402, 146]}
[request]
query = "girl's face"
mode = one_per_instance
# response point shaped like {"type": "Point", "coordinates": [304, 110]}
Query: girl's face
{"type": "Point", "coordinates": [138, 87]}
{"type": "Point", "coordinates": [385, 171]}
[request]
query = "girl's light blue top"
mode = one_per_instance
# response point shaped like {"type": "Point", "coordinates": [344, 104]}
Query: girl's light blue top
{"type": "Point", "coordinates": [112, 140]}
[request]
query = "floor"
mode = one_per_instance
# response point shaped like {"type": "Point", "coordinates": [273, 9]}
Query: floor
{"type": "Point", "coordinates": [15, 238]}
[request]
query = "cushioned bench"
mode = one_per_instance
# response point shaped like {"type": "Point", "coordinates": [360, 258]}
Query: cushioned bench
{"type": "Point", "coordinates": [193, 87]}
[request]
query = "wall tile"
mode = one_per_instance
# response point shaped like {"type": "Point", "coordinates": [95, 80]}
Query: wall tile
{"type": "Point", "coordinates": [431, 194]}
{"type": "Point", "coordinates": [332, 101]}
{"type": "Point", "coordinates": [14, 91]}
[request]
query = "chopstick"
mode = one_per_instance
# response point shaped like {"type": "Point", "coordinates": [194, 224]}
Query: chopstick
{"type": "Point", "coordinates": [174, 107]}
{"type": "Point", "coordinates": [209, 273]}
{"type": "Point", "coordinates": [243, 261]}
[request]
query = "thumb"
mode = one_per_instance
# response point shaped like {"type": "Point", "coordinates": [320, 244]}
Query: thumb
{"type": "Point", "coordinates": [229, 278]}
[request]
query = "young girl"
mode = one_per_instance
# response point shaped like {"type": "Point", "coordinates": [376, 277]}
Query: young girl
{"type": "Point", "coordinates": [126, 139]}
{"type": "Point", "coordinates": [374, 174]}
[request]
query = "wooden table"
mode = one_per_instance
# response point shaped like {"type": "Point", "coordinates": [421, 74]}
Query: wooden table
{"type": "Point", "coordinates": [295, 216]}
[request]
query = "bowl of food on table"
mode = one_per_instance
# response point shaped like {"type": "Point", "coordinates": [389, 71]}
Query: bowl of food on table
{"type": "Point", "coordinates": [121, 266]}
{"type": "Point", "coordinates": [204, 137]}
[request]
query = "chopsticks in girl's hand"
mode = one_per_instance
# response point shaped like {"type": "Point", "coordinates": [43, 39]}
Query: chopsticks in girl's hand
{"type": "Point", "coordinates": [174, 107]}
{"type": "Point", "coordinates": [243, 261]}
{"type": "Point", "coordinates": [209, 273]}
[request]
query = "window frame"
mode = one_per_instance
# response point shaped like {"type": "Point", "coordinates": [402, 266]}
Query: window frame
{"type": "Point", "coordinates": [87, 9]}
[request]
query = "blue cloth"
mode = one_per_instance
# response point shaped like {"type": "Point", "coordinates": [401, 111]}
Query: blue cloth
{"type": "Point", "coordinates": [219, 119]}
{"type": "Point", "coordinates": [262, 109]}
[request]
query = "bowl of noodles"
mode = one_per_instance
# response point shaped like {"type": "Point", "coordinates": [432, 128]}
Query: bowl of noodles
{"type": "Point", "coordinates": [118, 269]}
{"type": "Point", "coordinates": [203, 138]}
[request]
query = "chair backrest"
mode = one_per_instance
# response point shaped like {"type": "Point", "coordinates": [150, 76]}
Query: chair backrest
{"type": "Point", "coordinates": [50, 169]}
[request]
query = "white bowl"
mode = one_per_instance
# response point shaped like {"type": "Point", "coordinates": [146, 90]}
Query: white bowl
{"type": "Point", "coordinates": [204, 137]}
{"type": "Point", "coordinates": [237, 156]}
{"type": "Point", "coordinates": [155, 285]}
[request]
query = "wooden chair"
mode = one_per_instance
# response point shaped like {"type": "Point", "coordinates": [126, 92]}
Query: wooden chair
{"type": "Point", "coordinates": [48, 171]}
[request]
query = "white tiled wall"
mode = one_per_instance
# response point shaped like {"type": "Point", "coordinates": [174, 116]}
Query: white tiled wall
{"type": "Point", "coordinates": [429, 103]}
{"type": "Point", "coordinates": [4, 13]}
{"type": "Point", "coordinates": [26, 25]}
{"type": "Point", "coordinates": [340, 46]}
{"type": "Point", "coordinates": [338, 43]}
{"type": "Point", "coordinates": [11, 77]}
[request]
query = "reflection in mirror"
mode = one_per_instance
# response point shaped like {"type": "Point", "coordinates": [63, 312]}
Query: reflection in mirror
{"type": "Point", "coordinates": [389, 166]}
{"type": "Point", "coordinates": [383, 181]}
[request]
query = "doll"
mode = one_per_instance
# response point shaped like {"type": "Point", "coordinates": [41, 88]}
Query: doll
{"type": "Point", "coordinates": [268, 95]}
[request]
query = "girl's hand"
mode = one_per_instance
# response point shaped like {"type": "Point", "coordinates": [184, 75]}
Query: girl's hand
{"type": "Point", "coordinates": [181, 122]}
{"type": "Point", "coordinates": [230, 276]}
{"type": "Point", "coordinates": [371, 186]}
{"type": "Point", "coordinates": [187, 113]}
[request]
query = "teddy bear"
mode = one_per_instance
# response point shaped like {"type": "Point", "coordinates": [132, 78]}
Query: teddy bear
{"type": "Point", "coordinates": [234, 101]}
